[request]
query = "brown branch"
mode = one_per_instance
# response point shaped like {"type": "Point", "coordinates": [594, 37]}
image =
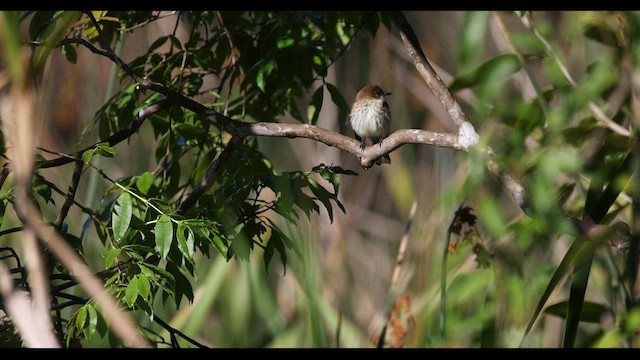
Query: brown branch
{"type": "Point", "coordinates": [114, 139]}
{"type": "Point", "coordinates": [70, 196]}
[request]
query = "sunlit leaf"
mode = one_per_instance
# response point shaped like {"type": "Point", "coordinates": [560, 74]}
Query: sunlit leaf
{"type": "Point", "coordinates": [121, 216]}
{"type": "Point", "coordinates": [164, 235]}
{"type": "Point", "coordinates": [131, 294]}
{"type": "Point", "coordinates": [144, 181]}
{"type": "Point", "coordinates": [313, 111]}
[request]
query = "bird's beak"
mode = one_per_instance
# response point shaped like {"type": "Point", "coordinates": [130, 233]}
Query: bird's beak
{"type": "Point", "coordinates": [387, 94]}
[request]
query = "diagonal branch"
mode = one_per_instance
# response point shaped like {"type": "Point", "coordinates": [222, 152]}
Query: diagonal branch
{"type": "Point", "coordinates": [70, 196]}
{"type": "Point", "coordinates": [466, 131]}
{"type": "Point", "coordinates": [114, 139]}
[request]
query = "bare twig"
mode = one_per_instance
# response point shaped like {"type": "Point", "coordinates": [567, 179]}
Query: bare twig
{"type": "Point", "coordinates": [75, 180]}
{"type": "Point", "coordinates": [173, 332]}
{"type": "Point", "coordinates": [114, 139]}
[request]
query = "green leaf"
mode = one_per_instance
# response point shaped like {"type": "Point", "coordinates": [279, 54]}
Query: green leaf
{"type": "Point", "coordinates": [319, 65]}
{"type": "Point", "coordinates": [185, 243]}
{"type": "Point", "coordinates": [3, 208]}
{"type": "Point", "coordinates": [219, 244]}
{"type": "Point", "coordinates": [121, 217]}
{"type": "Point", "coordinates": [284, 42]}
{"type": "Point", "coordinates": [264, 72]}
{"type": "Point", "coordinates": [472, 39]}
{"type": "Point", "coordinates": [131, 294]}
{"type": "Point", "coordinates": [600, 30]}
{"type": "Point", "coordinates": [110, 256]}
{"type": "Point", "coordinates": [101, 149]}
{"type": "Point", "coordinates": [69, 51]}
{"type": "Point", "coordinates": [339, 100]}
{"type": "Point", "coordinates": [144, 286]}
{"type": "Point", "coordinates": [164, 235]}
{"type": "Point", "coordinates": [591, 312]}
{"type": "Point", "coordinates": [182, 284]}
{"type": "Point", "coordinates": [90, 329]}
{"type": "Point", "coordinates": [105, 150]}
{"type": "Point", "coordinates": [156, 44]}
{"type": "Point", "coordinates": [144, 181]}
{"type": "Point", "coordinates": [323, 195]}
{"type": "Point", "coordinates": [81, 317]}
{"type": "Point", "coordinates": [313, 111]}
{"type": "Point", "coordinates": [490, 74]}
{"type": "Point", "coordinates": [292, 109]}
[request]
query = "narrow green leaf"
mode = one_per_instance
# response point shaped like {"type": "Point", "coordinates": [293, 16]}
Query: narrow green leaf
{"type": "Point", "coordinates": [69, 51]}
{"type": "Point", "coordinates": [121, 216]}
{"type": "Point", "coordinates": [284, 42]}
{"type": "Point", "coordinates": [164, 235]}
{"type": "Point", "coordinates": [591, 312]}
{"type": "Point", "coordinates": [472, 36]}
{"type": "Point", "coordinates": [156, 44]}
{"type": "Point", "coordinates": [90, 329]}
{"type": "Point", "coordinates": [3, 208]}
{"type": "Point", "coordinates": [131, 294]}
{"type": "Point", "coordinates": [185, 243]}
{"type": "Point", "coordinates": [319, 65]}
{"type": "Point", "coordinates": [322, 195]}
{"type": "Point", "coordinates": [313, 111]}
{"type": "Point", "coordinates": [219, 244]}
{"type": "Point", "coordinates": [81, 317]}
{"type": "Point", "coordinates": [563, 269]}
{"type": "Point", "coordinates": [339, 100]}
{"type": "Point", "coordinates": [490, 74]}
{"type": "Point", "coordinates": [579, 281]}
{"type": "Point", "coordinates": [144, 286]}
{"type": "Point", "coordinates": [268, 253]}
{"type": "Point", "coordinates": [110, 256]}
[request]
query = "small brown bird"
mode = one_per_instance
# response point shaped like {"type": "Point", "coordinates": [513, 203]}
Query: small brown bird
{"type": "Point", "coordinates": [370, 117]}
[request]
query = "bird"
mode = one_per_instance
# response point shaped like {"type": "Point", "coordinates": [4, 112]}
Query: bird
{"type": "Point", "coordinates": [370, 118]}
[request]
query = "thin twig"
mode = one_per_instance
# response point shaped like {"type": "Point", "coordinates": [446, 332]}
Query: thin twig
{"type": "Point", "coordinates": [173, 332]}
{"type": "Point", "coordinates": [114, 139]}
{"type": "Point", "coordinates": [70, 196]}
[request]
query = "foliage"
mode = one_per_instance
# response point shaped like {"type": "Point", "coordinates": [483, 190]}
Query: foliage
{"type": "Point", "coordinates": [210, 263]}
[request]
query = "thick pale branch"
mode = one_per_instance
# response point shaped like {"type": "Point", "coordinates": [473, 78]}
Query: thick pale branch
{"type": "Point", "coordinates": [367, 156]}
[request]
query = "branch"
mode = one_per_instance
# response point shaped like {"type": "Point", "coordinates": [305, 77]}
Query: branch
{"type": "Point", "coordinates": [466, 132]}
{"type": "Point", "coordinates": [114, 139]}
{"type": "Point", "coordinates": [463, 140]}
{"type": "Point", "coordinates": [75, 180]}
{"type": "Point", "coordinates": [173, 331]}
